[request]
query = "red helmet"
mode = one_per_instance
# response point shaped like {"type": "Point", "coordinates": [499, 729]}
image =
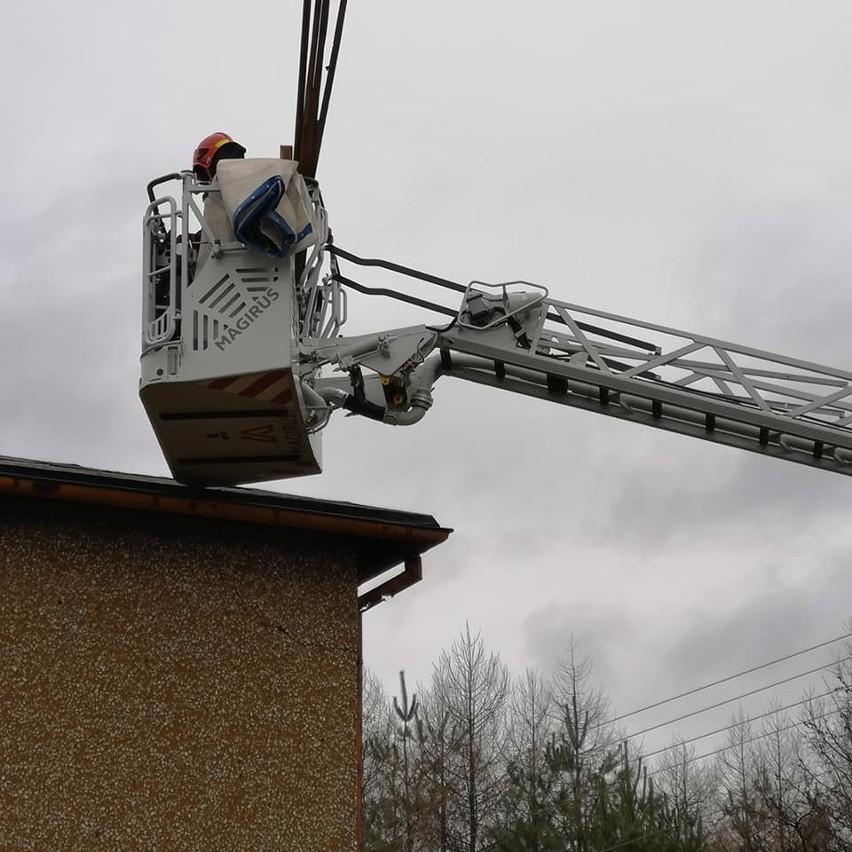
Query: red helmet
{"type": "Point", "coordinates": [211, 149]}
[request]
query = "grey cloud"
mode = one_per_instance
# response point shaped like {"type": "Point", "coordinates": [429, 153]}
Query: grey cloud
{"type": "Point", "coordinates": [783, 620]}
{"type": "Point", "coordinates": [741, 498]}
{"type": "Point", "coordinates": [677, 651]}
{"type": "Point", "coordinates": [599, 633]}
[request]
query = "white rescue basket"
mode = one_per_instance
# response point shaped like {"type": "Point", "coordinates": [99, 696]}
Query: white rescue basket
{"type": "Point", "coordinates": [220, 339]}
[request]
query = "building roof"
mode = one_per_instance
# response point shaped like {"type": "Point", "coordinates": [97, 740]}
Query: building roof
{"type": "Point", "coordinates": [383, 538]}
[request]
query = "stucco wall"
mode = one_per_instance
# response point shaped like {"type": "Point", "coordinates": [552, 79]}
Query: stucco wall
{"type": "Point", "coordinates": [174, 683]}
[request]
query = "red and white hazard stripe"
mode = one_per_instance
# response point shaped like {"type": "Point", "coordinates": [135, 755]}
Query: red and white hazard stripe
{"type": "Point", "coordinates": [275, 387]}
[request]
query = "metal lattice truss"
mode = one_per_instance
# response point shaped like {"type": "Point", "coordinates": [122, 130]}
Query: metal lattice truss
{"type": "Point", "coordinates": [670, 379]}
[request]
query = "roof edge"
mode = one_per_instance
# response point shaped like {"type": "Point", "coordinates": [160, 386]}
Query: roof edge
{"type": "Point", "coordinates": [266, 508]}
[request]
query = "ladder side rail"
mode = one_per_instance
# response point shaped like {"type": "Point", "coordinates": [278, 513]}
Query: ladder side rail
{"type": "Point", "coordinates": [610, 384]}
{"type": "Point", "coordinates": [704, 339]}
{"type": "Point", "coordinates": [826, 402]}
{"type": "Point", "coordinates": [835, 407]}
{"type": "Point", "coordinates": [695, 371]}
{"type": "Point", "coordinates": [757, 373]}
{"type": "Point", "coordinates": [776, 395]}
{"type": "Point", "coordinates": [672, 418]}
{"type": "Point", "coordinates": [726, 370]}
{"type": "Point", "coordinates": [554, 340]}
{"type": "Point", "coordinates": [831, 402]}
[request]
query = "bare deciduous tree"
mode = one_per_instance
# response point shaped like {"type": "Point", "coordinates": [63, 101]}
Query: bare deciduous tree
{"type": "Point", "coordinates": [781, 784]}
{"type": "Point", "coordinates": [689, 785]}
{"type": "Point", "coordinates": [738, 768]}
{"type": "Point", "coordinates": [828, 732]}
{"type": "Point", "coordinates": [473, 686]}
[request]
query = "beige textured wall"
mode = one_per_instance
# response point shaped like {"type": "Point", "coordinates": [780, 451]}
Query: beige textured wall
{"type": "Point", "coordinates": [170, 683]}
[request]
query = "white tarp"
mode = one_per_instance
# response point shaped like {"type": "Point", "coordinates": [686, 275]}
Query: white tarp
{"type": "Point", "coordinates": [267, 204]}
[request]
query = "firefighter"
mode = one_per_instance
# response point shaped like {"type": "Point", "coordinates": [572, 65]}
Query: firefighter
{"type": "Point", "coordinates": [210, 150]}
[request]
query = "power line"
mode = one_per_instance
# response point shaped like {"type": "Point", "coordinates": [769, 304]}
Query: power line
{"type": "Point", "coordinates": [735, 698]}
{"type": "Point", "coordinates": [748, 720]}
{"type": "Point", "coordinates": [789, 727]}
{"type": "Point", "coordinates": [722, 730]}
{"type": "Point", "coordinates": [730, 678]}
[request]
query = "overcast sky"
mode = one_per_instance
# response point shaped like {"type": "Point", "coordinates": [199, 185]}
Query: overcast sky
{"type": "Point", "coordinates": [685, 163]}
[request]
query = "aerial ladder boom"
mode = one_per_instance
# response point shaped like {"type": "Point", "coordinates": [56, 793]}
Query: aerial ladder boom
{"type": "Point", "coordinates": [244, 363]}
{"type": "Point", "coordinates": [514, 337]}
{"type": "Point", "coordinates": [686, 383]}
